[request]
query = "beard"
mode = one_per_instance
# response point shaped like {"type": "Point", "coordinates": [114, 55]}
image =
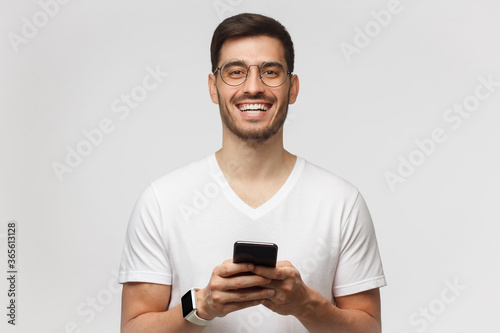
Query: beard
{"type": "Point", "coordinates": [253, 134]}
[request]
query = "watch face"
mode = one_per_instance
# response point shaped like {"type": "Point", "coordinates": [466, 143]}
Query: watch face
{"type": "Point", "coordinates": [187, 303]}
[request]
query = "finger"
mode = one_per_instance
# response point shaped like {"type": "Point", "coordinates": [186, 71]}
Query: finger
{"type": "Point", "coordinates": [231, 307]}
{"type": "Point", "coordinates": [242, 295]}
{"type": "Point", "coordinates": [283, 263]}
{"type": "Point", "coordinates": [229, 268]}
{"type": "Point", "coordinates": [282, 270]}
{"type": "Point", "coordinates": [274, 273]}
{"type": "Point", "coordinates": [246, 281]}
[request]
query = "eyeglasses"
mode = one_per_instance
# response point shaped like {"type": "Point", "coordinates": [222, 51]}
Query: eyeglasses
{"type": "Point", "coordinates": [234, 72]}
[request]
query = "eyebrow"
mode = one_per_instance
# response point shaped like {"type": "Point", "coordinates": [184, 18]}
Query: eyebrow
{"type": "Point", "coordinates": [272, 62]}
{"type": "Point", "coordinates": [239, 61]}
{"type": "Point", "coordinates": [233, 62]}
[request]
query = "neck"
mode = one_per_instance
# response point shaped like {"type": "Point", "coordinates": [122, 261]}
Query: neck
{"type": "Point", "coordinates": [246, 161]}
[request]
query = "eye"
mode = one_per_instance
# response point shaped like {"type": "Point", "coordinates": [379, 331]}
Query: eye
{"type": "Point", "coordinates": [234, 71]}
{"type": "Point", "coordinates": [270, 72]}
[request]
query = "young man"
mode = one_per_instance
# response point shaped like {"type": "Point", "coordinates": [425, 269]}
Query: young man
{"type": "Point", "coordinates": [184, 225]}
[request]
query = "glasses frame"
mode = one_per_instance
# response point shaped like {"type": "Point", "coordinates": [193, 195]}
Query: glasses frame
{"type": "Point", "coordinates": [248, 72]}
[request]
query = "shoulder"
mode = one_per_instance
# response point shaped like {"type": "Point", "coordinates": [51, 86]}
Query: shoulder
{"type": "Point", "coordinates": [178, 182]}
{"type": "Point", "coordinates": [325, 180]}
{"type": "Point", "coordinates": [185, 175]}
{"type": "Point", "coordinates": [325, 190]}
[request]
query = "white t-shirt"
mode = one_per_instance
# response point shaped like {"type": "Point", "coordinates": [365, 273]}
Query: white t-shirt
{"type": "Point", "coordinates": [185, 224]}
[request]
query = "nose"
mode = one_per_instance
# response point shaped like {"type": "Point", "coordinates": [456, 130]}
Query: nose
{"type": "Point", "coordinates": [253, 83]}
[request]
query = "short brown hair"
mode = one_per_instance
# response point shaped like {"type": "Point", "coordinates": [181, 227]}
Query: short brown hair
{"type": "Point", "coordinates": [250, 25]}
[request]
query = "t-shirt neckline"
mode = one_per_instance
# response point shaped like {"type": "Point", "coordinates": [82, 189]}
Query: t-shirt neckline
{"type": "Point", "coordinates": [242, 206]}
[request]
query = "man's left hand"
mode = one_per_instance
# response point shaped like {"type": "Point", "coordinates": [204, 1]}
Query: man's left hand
{"type": "Point", "coordinates": [291, 293]}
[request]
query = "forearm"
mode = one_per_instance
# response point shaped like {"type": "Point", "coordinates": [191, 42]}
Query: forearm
{"type": "Point", "coordinates": [321, 316]}
{"type": "Point", "coordinates": [170, 321]}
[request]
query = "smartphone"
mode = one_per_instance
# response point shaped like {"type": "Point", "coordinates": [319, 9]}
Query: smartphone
{"type": "Point", "coordinates": [257, 253]}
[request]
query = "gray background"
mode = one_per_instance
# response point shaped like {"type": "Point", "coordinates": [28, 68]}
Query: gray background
{"type": "Point", "coordinates": [356, 116]}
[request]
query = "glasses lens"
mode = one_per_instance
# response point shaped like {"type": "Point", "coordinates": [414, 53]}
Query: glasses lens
{"type": "Point", "coordinates": [273, 73]}
{"type": "Point", "coordinates": [234, 72]}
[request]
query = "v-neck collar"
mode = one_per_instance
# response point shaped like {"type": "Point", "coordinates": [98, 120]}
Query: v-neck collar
{"type": "Point", "coordinates": [242, 206]}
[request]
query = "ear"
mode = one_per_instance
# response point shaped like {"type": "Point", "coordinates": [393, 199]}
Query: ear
{"type": "Point", "coordinates": [294, 89]}
{"type": "Point", "coordinates": [212, 88]}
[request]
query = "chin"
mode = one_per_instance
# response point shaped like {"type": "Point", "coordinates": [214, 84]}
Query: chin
{"type": "Point", "coordinates": [256, 135]}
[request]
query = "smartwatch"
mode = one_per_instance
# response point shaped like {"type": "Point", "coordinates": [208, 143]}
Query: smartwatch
{"type": "Point", "coordinates": [189, 308]}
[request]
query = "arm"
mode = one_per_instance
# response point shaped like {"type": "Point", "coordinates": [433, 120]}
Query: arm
{"type": "Point", "coordinates": [144, 309]}
{"type": "Point", "coordinates": [144, 305]}
{"type": "Point", "coordinates": [354, 313]}
{"type": "Point", "coordinates": [357, 313]}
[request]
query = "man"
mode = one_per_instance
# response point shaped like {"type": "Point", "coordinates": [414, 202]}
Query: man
{"type": "Point", "coordinates": [184, 225]}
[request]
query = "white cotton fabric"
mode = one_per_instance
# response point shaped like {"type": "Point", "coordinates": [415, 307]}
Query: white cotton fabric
{"type": "Point", "coordinates": [185, 223]}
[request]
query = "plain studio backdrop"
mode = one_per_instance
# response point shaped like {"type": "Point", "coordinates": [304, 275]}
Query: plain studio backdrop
{"type": "Point", "coordinates": [401, 98]}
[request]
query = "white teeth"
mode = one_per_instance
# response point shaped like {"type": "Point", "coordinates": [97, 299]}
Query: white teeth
{"type": "Point", "coordinates": [254, 108]}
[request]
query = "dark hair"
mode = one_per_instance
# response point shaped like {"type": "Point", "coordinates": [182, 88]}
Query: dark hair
{"type": "Point", "coordinates": [250, 25]}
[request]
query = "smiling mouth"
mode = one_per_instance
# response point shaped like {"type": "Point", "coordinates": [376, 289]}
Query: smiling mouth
{"type": "Point", "coordinates": [253, 108]}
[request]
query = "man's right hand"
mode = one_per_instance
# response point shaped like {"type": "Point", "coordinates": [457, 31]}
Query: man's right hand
{"type": "Point", "coordinates": [228, 290]}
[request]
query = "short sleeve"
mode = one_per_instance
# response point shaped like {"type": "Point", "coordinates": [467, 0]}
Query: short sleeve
{"type": "Point", "coordinates": [359, 267]}
{"type": "Point", "coordinates": [144, 258]}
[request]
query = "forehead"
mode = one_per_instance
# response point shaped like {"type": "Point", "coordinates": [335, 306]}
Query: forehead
{"type": "Point", "coordinates": [252, 49]}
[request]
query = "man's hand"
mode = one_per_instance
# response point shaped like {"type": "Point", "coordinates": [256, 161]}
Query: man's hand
{"type": "Point", "coordinates": [354, 313]}
{"type": "Point", "coordinates": [229, 291]}
{"type": "Point", "coordinates": [291, 293]}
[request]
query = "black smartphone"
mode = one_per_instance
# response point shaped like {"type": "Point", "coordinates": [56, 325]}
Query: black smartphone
{"type": "Point", "coordinates": [257, 253]}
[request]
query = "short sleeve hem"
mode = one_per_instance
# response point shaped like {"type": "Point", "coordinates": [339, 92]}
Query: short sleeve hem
{"type": "Point", "coordinates": [148, 277]}
{"type": "Point", "coordinates": [358, 287]}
